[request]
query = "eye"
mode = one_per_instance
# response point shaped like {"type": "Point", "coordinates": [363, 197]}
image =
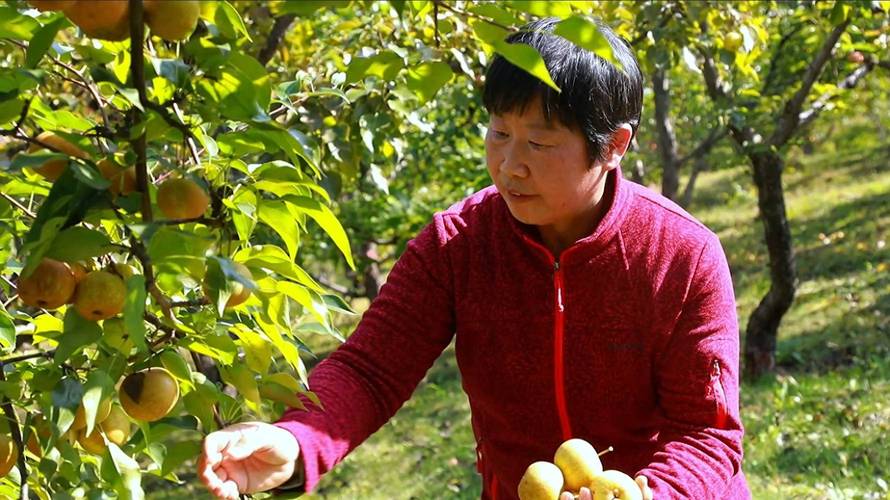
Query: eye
{"type": "Point", "coordinates": [539, 146]}
{"type": "Point", "coordinates": [499, 135]}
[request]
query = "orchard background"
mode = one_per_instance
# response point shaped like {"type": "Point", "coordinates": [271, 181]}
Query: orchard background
{"type": "Point", "coordinates": [205, 214]}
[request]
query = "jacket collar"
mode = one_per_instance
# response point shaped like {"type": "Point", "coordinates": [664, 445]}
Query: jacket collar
{"type": "Point", "coordinates": [602, 234]}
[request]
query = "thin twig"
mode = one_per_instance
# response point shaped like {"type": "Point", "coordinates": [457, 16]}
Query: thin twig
{"type": "Point", "coordinates": [473, 15]}
{"type": "Point", "coordinates": [137, 73]}
{"type": "Point", "coordinates": [30, 355]}
{"type": "Point", "coordinates": [13, 422]}
{"type": "Point", "coordinates": [18, 205]}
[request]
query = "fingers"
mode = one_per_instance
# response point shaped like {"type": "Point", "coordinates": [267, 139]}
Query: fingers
{"type": "Point", "coordinates": [585, 494]}
{"type": "Point", "coordinates": [643, 482]}
{"type": "Point", "coordinates": [566, 496]}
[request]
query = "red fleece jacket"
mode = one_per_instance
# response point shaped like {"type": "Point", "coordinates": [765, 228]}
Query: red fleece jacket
{"type": "Point", "coordinates": [630, 340]}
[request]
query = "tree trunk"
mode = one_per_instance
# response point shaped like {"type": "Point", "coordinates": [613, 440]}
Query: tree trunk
{"type": "Point", "coordinates": [667, 142]}
{"type": "Point", "coordinates": [371, 275]}
{"type": "Point", "coordinates": [763, 324]}
{"type": "Point", "coordinates": [699, 166]}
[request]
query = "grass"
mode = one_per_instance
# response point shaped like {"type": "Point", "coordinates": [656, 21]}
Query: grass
{"type": "Point", "coordinates": [814, 430]}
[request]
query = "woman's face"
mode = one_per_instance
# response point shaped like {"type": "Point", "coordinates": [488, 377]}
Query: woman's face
{"type": "Point", "coordinates": [543, 171]}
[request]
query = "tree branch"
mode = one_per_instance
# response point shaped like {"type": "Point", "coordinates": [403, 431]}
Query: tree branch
{"type": "Point", "coordinates": [137, 74]}
{"type": "Point", "coordinates": [790, 119]}
{"type": "Point", "coordinates": [279, 28]}
{"type": "Point", "coordinates": [847, 83]}
{"type": "Point", "coordinates": [705, 146]}
{"type": "Point", "coordinates": [16, 435]}
{"type": "Point", "coordinates": [777, 54]}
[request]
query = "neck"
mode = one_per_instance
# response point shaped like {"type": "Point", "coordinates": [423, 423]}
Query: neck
{"type": "Point", "coordinates": [558, 237]}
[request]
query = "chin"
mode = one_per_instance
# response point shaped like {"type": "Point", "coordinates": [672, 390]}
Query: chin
{"type": "Point", "coordinates": [524, 216]}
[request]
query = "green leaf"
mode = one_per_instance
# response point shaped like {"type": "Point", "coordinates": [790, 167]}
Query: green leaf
{"type": "Point", "coordinates": [97, 388]}
{"type": "Point", "coordinates": [7, 330]}
{"type": "Point", "coordinates": [229, 22]}
{"type": "Point", "coordinates": [16, 25]}
{"type": "Point", "coordinates": [178, 453]}
{"type": "Point", "coordinates": [543, 8]}
{"type": "Point", "coordinates": [521, 55]}
{"type": "Point", "coordinates": [305, 7]}
{"type": "Point", "coordinates": [257, 350]}
{"type": "Point", "coordinates": [218, 347]}
{"type": "Point", "coordinates": [78, 333]}
{"type": "Point", "coordinates": [10, 109]}
{"type": "Point", "coordinates": [130, 486]}
{"type": "Point", "coordinates": [385, 65]}
{"type": "Point", "coordinates": [242, 379]}
{"type": "Point", "coordinates": [322, 215]}
{"type": "Point", "coordinates": [427, 78]}
{"type": "Point", "coordinates": [493, 11]}
{"type": "Point", "coordinates": [173, 362]}
{"type": "Point", "coordinates": [66, 396]}
{"type": "Point", "coordinates": [274, 259]}
{"type": "Point", "coordinates": [42, 41]}
{"type": "Point", "coordinates": [586, 34]}
{"type": "Point", "coordinates": [78, 243]}
{"type": "Point", "coordinates": [275, 214]}
{"type": "Point", "coordinates": [134, 310]}
{"type": "Point", "coordinates": [274, 391]}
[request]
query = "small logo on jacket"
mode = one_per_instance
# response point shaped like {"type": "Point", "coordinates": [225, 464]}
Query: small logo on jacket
{"type": "Point", "coordinates": [626, 346]}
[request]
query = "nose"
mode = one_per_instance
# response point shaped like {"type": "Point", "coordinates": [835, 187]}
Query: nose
{"type": "Point", "coordinates": [513, 163]}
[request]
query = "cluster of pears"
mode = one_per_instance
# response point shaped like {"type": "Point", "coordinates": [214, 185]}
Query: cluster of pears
{"type": "Point", "coordinates": [178, 198]}
{"type": "Point", "coordinates": [94, 294]}
{"type": "Point", "coordinates": [109, 19]}
{"type": "Point", "coordinates": [147, 395]}
{"type": "Point", "coordinates": [576, 464]}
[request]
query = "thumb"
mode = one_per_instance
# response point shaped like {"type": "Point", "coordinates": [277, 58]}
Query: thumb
{"type": "Point", "coordinates": [242, 449]}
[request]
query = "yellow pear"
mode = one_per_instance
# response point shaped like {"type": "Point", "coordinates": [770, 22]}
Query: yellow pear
{"type": "Point", "coordinates": [123, 180]}
{"type": "Point", "coordinates": [578, 462]}
{"type": "Point", "coordinates": [45, 5]}
{"type": "Point", "coordinates": [92, 443]}
{"type": "Point", "coordinates": [172, 21]}
{"type": "Point", "coordinates": [149, 395]}
{"type": "Point", "coordinates": [614, 485]}
{"type": "Point", "coordinates": [117, 426]}
{"type": "Point", "coordinates": [100, 295]}
{"type": "Point", "coordinates": [182, 199]}
{"type": "Point", "coordinates": [9, 454]}
{"type": "Point", "coordinates": [103, 19]}
{"type": "Point", "coordinates": [80, 417]}
{"type": "Point", "coordinates": [49, 286]}
{"type": "Point", "coordinates": [53, 169]}
{"type": "Point", "coordinates": [541, 481]}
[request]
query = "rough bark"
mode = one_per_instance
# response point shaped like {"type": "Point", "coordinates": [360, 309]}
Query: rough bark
{"type": "Point", "coordinates": [371, 275]}
{"type": "Point", "coordinates": [763, 325]}
{"type": "Point", "coordinates": [698, 166]}
{"type": "Point", "coordinates": [667, 141]}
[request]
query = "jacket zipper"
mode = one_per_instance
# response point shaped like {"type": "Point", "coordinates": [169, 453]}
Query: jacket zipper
{"type": "Point", "coordinates": [559, 353]}
{"type": "Point", "coordinates": [719, 394]}
{"type": "Point", "coordinates": [558, 339]}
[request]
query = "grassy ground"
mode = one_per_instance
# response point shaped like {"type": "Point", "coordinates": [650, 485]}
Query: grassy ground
{"type": "Point", "coordinates": [813, 431]}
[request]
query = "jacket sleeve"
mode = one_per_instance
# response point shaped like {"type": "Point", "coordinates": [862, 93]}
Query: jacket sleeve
{"type": "Point", "coordinates": [697, 379]}
{"type": "Point", "coordinates": [368, 378]}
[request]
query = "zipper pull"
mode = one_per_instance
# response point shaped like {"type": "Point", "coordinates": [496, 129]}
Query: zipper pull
{"type": "Point", "coordinates": [556, 265]}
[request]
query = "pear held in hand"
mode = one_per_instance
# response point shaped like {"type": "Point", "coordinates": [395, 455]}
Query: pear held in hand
{"type": "Point", "coordinates": [579, 463]}
{"type": "Point", "coordinates": [614, 484]}
{"type": "Point", "coordinates": [541, 481]}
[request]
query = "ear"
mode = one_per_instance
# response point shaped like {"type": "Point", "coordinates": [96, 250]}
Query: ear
{"type": "Point", "coordinates": [617, 147]}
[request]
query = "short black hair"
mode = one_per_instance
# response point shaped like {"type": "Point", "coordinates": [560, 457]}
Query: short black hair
{"type": "Point", "coordinates": [596, 96]}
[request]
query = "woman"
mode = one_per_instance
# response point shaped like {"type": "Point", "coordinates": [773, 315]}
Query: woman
{"type": "Point", "coordinates": [583, 306]}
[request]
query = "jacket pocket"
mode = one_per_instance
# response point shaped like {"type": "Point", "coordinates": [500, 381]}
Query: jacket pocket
{"type": "Point", "coordinates": [716, 391]}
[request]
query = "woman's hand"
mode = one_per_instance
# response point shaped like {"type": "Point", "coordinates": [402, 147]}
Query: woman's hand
{"type": "Point", "coordinates": [247, 458]}
{"type": "Point", "coordinates": [642, 482]}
